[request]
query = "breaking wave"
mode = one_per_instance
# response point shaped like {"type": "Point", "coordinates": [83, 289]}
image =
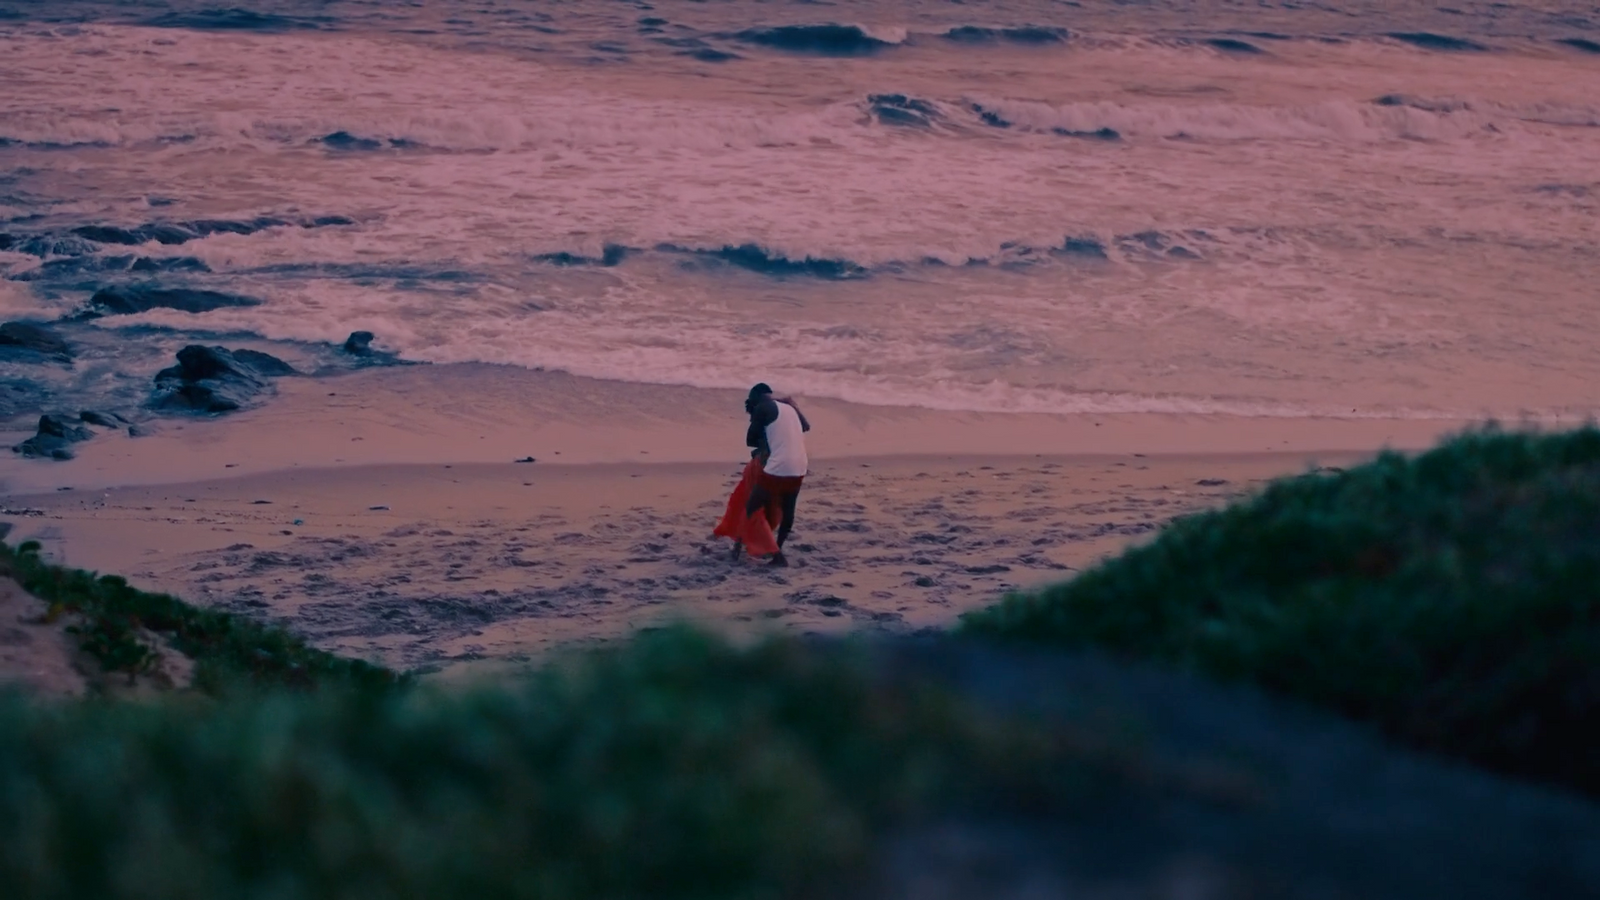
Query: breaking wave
{"type": "Point", "coordinates": [234, 19]}
{"type": "Point", "coordinates": [1026, 34]}
{"type": "Point", "coordinates": [1429, 40]}
{"type": "Point", "coordinates": [829, 39]}
{"type": "Point", "coordinates": [1391, 117]}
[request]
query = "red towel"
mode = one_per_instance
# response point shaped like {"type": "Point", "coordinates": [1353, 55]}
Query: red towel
{"type": "Point", "coordinates": [755, 532]}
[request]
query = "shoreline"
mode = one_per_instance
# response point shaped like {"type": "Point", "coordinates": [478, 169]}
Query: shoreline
{"type": "Point", "coordinates": [479, 413]}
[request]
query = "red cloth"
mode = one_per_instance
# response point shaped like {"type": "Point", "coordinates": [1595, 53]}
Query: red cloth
{"type": "Point", "coordinates": [755, 532]}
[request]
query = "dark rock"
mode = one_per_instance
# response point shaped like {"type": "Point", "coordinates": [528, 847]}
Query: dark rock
{"type": "Point", "coordinates": [208, 380]}
{"type": "Point", "coordinates": [359, 346]}
{"type": "Point", "coordinates": [23, 338]}
{"type": "Point", "coordinates": [359, 343]}
{"type": "Point", "coordinates": [7, 241]}
{"type": "Point", "coordinates": [197, 363]}
{"type": "Point", "coordinates": [104, 420]}
{"type": "Point", "coordinates": [64, 428]}
{"type": "Point", "coordinates": [204, 397]}
{"type": "Point", "coordinates": [130, 299]}
{"type": "Point", "coordinates": [55, 434]}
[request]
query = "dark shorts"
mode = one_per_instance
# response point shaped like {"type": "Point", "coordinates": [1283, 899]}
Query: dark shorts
{"type": "Point", "coordinates": [781, 485]}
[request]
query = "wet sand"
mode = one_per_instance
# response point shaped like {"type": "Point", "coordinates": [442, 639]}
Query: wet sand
{"type": "Point", "coordinates": [412, 548]}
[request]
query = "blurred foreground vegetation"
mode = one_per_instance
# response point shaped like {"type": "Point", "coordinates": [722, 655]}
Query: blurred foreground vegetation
{"type": "Point", "coordinates": [674, 766]}
{"type": "Point", "coordinates": [1452, 599]}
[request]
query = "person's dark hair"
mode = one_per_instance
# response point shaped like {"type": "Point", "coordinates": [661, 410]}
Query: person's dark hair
{"type": "Point", "coordinates": [757, 394]}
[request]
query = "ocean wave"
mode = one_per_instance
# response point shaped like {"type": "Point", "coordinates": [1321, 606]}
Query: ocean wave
{"type": "Point", "coordinates": [1584, 44]}
{"type": "Point", "coordinates": [1233, 45]}
{"type": "Point", "coordinates": [759, 259]}
{"type": "Point", "coordinates": [571, 122]}
{"type": "Point", "coordinates": [1022, 34]}
{"type": "Point", "coordinates": [75, 266]}
{"type": "Point", "coordinates": [828, 39]}
{"type": "Point", "coordinates": [1135, 247]}
{"type": "Point", "coordinates": [899, 109]}
{"type": "Point", "coordinates": [84, 240]}
{"type": "Point", "coordinates": [235, 19]}
{"type": "Point", "coordinates": [1392, 118]}
{"type": "Point", "coordinates": [1429, 40]}
{"type": "Point", "coordinates": [906, 373]}
{"type": "Point", "coordinates": [344, 140]}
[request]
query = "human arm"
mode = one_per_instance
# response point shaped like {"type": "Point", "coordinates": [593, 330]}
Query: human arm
{"type": "Point", "coordinates": [804, 425]}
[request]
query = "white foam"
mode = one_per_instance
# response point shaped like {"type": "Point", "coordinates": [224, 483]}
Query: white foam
{"type": "Point", "coordinates": [18, 301]}
{"type": "Point", "coordinates": [1336, 248]}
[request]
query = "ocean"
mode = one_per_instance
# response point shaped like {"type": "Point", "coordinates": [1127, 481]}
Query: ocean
{"type": "Point", "coordinates": [1345, 208]}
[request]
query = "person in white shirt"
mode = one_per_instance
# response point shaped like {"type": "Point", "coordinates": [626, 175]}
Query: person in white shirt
{"type": "Point", "coordinates": [777, 434]}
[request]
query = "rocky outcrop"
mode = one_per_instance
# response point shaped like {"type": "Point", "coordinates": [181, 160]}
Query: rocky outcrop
{"type": "Point", "coordinates": [55, 437]}
{"type": "Point", "coordinates": [213, 380]}
{"type": "Point", "coordinates": [359, 343]}
{"type": "Point", "coordinates": [26, 342]}
{"type": "Point", "coordinates": [359, 346]}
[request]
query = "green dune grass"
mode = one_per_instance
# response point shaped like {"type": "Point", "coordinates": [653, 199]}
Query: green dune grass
{"type": "Point", "coordinates": [115, 620]}
{"type": "Point", "coordinates": [670, 766]}
{"type": "Point", "coordinates": [1452, 599]}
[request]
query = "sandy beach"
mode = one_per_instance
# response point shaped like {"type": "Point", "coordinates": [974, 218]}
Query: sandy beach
{"type": "Point", "coordinates": [385, 518]}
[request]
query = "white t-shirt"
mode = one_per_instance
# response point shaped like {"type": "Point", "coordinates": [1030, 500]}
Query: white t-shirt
{"type": "Point", "coordinates": [786, 439]}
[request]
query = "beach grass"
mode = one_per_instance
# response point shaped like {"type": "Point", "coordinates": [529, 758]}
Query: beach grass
{"type": "Point", "coordinates": [1451, 598]}
{"type": "Point", "coordinates": [673, 765]}
{"type": "Point", "coordinates": [127, 630]}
